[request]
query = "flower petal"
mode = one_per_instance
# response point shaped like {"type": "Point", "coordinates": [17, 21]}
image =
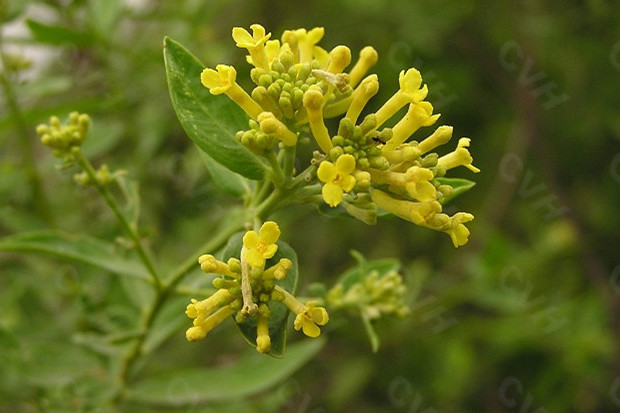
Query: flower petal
{"type": "Point", "coordinates": [270, 251]}
{"type": "Point", "coordinates": [332, 194]}
{"type": "Point", "coordinates": [345, 164]}
{"type": "Point", "coordinates": [269, 232]}
{"type": "Point", "coordinates": [347, 183]}
{"type": "Point", "coordinates": [310, 329]}
{"type": "Point", "coordinates": [327, 172]}
{"type": "Point", "coordinates": [254, 258]}
{"type": "Point", "coordinates": [250, 239]}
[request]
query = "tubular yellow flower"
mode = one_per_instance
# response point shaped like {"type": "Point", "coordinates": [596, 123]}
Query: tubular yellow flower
{"type": "Point", "coordinates": [272, 125]}
{"type": "Point", "coordinates": [418, 184]}
{"type": "Point", "coordinates": [403, 153]}
{"type": "Point", "coordinates": [278, 271]}
{"type": "Point", "coordinates": [441, 136]}
{"type": "Point", "coordinates": [338, 178]}
{"type": "Point", "coordinates": [209, 264]}
{"type": "Point", "coordinates": [313, 102]}
{"type": "Point", "coordinates": [308, 316]}
{"type": "Point", "coordinates": [263, 341]}
{"type": "Point", "coordinates": [417, 212]}
{"type": "Point", "coordinates": [255, 43]}
{"type": "Point", "coordinates": [272, 49]}
{"type": "Point", "coordinates": [203, 326]}
{"type": "Point", "coordinates": [202, 309]}
{"type": "Point", "coordinates": [261, 246]}
{"type": "Point", "coordinates": [415, 180]}
{"type": "Point", "coordinates": [418, 115]}
{"type": "Point", "coordinates": [361, 95]}
{"type": "Point", "coordinates": [306, 41]}
{"type": "Point", "coordinates": [368, 58]}
{"type": "Point", "coordinates": [339, 58]}
{"type": "Point", "coordinates": [457, 231]}
{"type": "Point", "coordinates": [459, 157]}
{"type": "Point", "coordinates": [409, 92]}
{"type": "Point", "coordinates": [223, 80]}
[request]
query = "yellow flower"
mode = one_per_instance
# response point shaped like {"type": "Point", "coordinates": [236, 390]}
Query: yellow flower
{"type": "Point", "coordinates": [417, 212]}
{"type": "Point", "coordinates": [418, 115]}
{"type": "Point", "coordinates": [310, 318]}
{"type": "Point", "coordinates": [255, 43]}
{"type": "Point", "coordinates": [368, 58]}
{"type": "Point", "coordinates": [223, 80]}
{"type": "Point", "coordinates": [263, 341]}
{"type": "Point", "coordinates": [409, 92]}
{"type": "Point", "coordinates": [304, 42]}
{"type": "Point", "coordinates": [339, 58]}
{"type": "Point", "coordinates": [362, 94]}
{"type": "Point", "coordinates": [202, 326]}
{"type": "Point", "coordinates": [313, 102]}
{"type": "Point", "coordinates": [262, 246]}
{"type": "Point", "coordinates": [459, 157]}
{"type": "Point", "coordinates": [338, 178]}
{"type": "Point", "coordinates": [457, 231]}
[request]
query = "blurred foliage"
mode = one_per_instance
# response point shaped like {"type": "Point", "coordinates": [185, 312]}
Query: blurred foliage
{"type": "Point", "coordinates": [525, 317]}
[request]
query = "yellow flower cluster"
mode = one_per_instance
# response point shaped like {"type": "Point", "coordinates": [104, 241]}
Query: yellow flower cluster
{"type": "Point", "coordinates": [65, 140]}
{"type": "Point", "coordinates": [365, 164]}
{"type": "Point", "coordinates": [377, 295]}
{"type": "Point", "coordinates": [246, 288]}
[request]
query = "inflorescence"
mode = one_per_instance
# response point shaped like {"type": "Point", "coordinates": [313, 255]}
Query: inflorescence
{"type": "Point", "coordinates": [364, 164]}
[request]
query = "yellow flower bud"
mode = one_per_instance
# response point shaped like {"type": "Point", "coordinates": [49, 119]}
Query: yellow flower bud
{"type": "Point", "coordinates": [368, 58]}
{"type": "Point", "coordinates": [362, 94]}
{"type": "Point", "coordinates": [441, 135]}
{"type": "Point", "coordinates": [339, 58]}
{"type": "Point", "coordinates": [270, 124]}
{"type": "Point", "coordinates": [313, 102]}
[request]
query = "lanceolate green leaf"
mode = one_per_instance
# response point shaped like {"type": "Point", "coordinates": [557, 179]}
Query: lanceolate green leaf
{"type": "Point", "coordinates": [83, 249]}
{"type": "Point", "coordinates": [249, 375]}
{"type": "Point", "coordinates": [459, 185]}
{"type": "Point", "coordinates": [279, 312]}
{"type": "Point", "coordinates": [210, 121]}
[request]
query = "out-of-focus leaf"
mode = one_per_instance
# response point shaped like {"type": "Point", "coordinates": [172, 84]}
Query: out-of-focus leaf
{"type": "Point", "coordinates": [227, 180]}
{"type": "Point", "coordinates": [105, 14]}
{"type": "Point", "coordinates": [210, 121]}
{"type": "Point", "coordinates": [81, 248]}
{"type": "Point", "coordinates": [59, 35]}
{"type": "Point", "coordinates": [249, 375]}
{"type": "Point", "coordinates": [279, 312]}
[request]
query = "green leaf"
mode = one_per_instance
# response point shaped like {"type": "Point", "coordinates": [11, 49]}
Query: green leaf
{"type": "Point", "coordinates": [82, 249]}
{"type": "Point", "coordinates": [459, 185]}
{"type": "Point", "coordinates": [249, 375]}
{"type": "Point", "coordinates": [210, 121]}
{"type": "Point", "coordinates": [279, 312]}
{"type": "Point", "coordinates": [59, 35]}
{"type": "Point", "coordinates": [227, 180]}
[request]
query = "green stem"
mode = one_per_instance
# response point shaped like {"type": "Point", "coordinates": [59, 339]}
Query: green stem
{"type": "Point", "coordinates": [167, 289]}
{"type": "Point", "coordinates": [278, 176]}
{"type": "Point", "coordinates": [38, 195]}
{"type": "Point", "coordinates": [127, 226]}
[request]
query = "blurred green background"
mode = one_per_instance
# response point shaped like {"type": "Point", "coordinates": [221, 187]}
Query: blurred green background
{"type": "Point", "coordinates": [526, 317]}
